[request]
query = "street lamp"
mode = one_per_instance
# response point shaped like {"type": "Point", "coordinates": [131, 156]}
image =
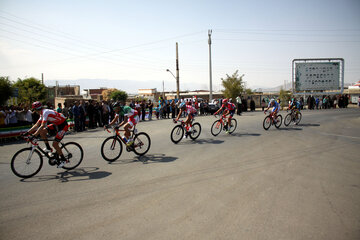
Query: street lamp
{"type": "Point", "coordinates": [177, 85]}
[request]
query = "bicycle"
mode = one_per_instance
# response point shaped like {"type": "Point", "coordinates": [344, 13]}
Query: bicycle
{"type": "Point", "coordinates": [178, 131]}
{"type": "Point", "coordinates": [269, 120]}
{"type": "Point", "coordinates": [111, 148]}
{"type": "Point", "coordinates": [293, 116]}
{"type": "Point", "coordinates": [28, 161]}
{"type": "Point", "coordinates": [217, 126]}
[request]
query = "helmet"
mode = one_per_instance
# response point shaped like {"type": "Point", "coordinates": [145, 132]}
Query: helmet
{"type": "Point", "coordinates": [116, 104]}
{"type": "Point", "coordinates": [182, 105]}
{"type": "Point", "coordinates": [36, 105]}
{"type": "Point", "coordinates": [272, 100]}
{"type": "Point", "coordinates": [224, 101]}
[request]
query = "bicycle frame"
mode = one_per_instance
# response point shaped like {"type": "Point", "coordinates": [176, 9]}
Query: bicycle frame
{"type": "Point", "coordinates": [117, 133]}
{"type": "Point", "coordinates": [35, 145]}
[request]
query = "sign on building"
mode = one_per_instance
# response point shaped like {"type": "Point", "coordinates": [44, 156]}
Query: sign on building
{"type": "Point", "coordinates": [316, 75]}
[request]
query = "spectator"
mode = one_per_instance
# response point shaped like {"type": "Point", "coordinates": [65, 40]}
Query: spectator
{"type": "Point", "coordinates": [238, 104]}
{"type": "Point", "coordinates": [76, 115]}
{"type": "Point", "coordinates": [82, 115]}
{"type": "Point", "coordinates": [252, 105]}
{"type": "Point", "coordinates": [12, 116]}
{"type": "Point", "coordinates": [263, 104]}
{"type": "Point", "coordinates": [59, 109]}
{"type": "Point", "coordinates": [91, 114]}
{"type": "Point", "coordinates": [173, 107]}
{"type": "Point", "coordinates": [150, 106]}
{"type": "Point", "coordinates": [143, 110]}
{"type": "Point", "coordinates": [2, 116]}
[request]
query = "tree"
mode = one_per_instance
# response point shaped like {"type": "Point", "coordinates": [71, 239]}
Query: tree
{"type": "Point", "coordinates": [107, 93]}
{"type": "Point", "coordinates": [233, 85]}
{"type": "Point", "coordinates": [30, 90]}
{"type": "Point", "coordinates": [119, 95]}
{"type": "Point", "coordinates": [284, 96]}
{"type": "Point", "coordinates": [5, 90]}
{"type": "Point", "coordinates": [248, 91]}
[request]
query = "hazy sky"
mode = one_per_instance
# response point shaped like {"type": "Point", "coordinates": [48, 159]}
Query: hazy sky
{"type": "Point", "coordinates": [135, 40]}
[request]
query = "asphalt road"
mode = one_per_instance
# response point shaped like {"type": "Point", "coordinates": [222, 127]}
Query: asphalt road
{"type": "Point", "coordinates": [297, 182]}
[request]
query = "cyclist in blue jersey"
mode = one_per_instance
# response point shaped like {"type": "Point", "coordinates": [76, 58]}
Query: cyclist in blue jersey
{"type": "Point", "coordinates": [275, 107]}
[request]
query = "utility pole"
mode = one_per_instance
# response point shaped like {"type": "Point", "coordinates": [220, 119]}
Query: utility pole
{"type": "Point", "coordinates": [177, 73]}
{"type": "Point", "coordinates": [42, 78]}
{"type": "Point", "coordinates": [163, 90]}
{"type": "Point", "coordinates": [210, 71]}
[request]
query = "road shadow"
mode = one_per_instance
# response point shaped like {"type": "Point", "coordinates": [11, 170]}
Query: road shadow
{"type": "Point", "coordinates": [201, 141]}
{"type": "Point", "coordinates": [147, 158]}
{"type": "Point", "coordinates": [79, 174]}
{"type": "Point", "coordinates": [245, 134]}
{"type": "Point", "coordinates": [289, 129]}
{"type": "Point", "coordinates": [309, 124]}
{"type": "Point", "coordinates": [155, 158]}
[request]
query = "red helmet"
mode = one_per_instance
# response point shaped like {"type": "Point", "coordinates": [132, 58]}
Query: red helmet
{"type": "Point", "coordinates": [224, 101]}
{"type": "Point", "coordinates": [36, 105]}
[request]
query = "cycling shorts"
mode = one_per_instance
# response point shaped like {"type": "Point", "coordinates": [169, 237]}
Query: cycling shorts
{"type": "Point", "coordinates": [57, 130]}
{"type": "Point", "coordinates": [231, 112]}
{"type": "Point", "coordinates": [133, 120]}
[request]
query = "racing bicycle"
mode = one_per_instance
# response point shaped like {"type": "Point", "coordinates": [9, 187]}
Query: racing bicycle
{"type": "Point", "coordinates": [222, 124]}
{"type": "Point", "coordinates": [179, 130]}
{"type": "Point", "coordinates": [27, 162]}
{"type": "Point", "coordinates": [270, 120]}
{"type": "Point", "coordinates": [293, 116]}
{"type": "Point", "coordinates": [111, 148]}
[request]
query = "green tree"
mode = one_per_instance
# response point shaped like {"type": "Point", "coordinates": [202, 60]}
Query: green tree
{"type": "Point", "coordinates": [234, 85]}
{"type": "Point", "coordinates": [249, 91]}
{"type": "Point", "coordinates": [284, 96]}
{"type": "Point", "coordinates": [31, 90]}
{"type": "Point", "coordinates": [5, 90]}
{"type": "Point", "coordinates": [119, 95]}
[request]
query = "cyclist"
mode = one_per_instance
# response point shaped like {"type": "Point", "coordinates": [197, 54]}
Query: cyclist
{"type": "Point", "coordinates": [275, 108]}
{"type": "Point", "coordinates": [58, 127]}
{"type": "Point", "coordinates": [228, 108]}
{"type": "Point", "coordinates": [191, 112]}
{"type": "Point", "coordinates": [294, 106]}
{"type": "Point", "coordinates": [130, 120]}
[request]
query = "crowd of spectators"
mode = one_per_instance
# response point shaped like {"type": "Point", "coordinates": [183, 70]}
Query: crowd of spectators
{"type": "Point", "coordinates": [90, 114]}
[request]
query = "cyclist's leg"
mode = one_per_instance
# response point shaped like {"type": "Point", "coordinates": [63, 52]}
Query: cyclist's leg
{"type": "Point", "coordinates": [127, 128]}
{"type": "Point", "coordinates": [59, 136]}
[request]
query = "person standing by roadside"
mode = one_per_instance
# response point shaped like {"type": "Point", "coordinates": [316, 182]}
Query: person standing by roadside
{"type": "Point", "coordinates": [76, 114]}
{"type": "Point", "coordinates": [143, 110]}
{"type": "Point", "coordinates": [238, 104]}
{"type": "Point", "coordinates": [150, 106]}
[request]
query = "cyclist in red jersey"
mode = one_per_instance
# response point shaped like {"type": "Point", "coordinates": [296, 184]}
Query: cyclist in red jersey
{"type": "Point", "coordinates": [229, 109]}
{"type": "Point", "coordinates": [58, 127]}
{"type": "Point", "coordinates": [191, 111]}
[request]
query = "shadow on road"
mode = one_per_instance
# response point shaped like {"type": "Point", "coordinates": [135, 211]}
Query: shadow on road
{"type": "Point", "coordinates": [157, 157]}
{"type": "Point", "coordinates": [201, 141]}
{"type": "Point", "coordinates": [147, 158]}
{"type": "Point", "coordinates": [245, 134]}
{"type": "Point", "coordinates": [309, 125]}
{"type": "Point", "coordinates": [79, 174]}
{"type": "Point", "coordinates": [290, 129]}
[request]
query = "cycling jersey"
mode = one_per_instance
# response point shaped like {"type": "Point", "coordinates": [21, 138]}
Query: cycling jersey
{"type": "Point", "coordinates": [295, 104]}
{"type": "Point", "coordinates": [128, 112]}
{"type": "Point", "coordinates": [51, 116]}
{"type": "Point", "coordinates": [132, 115]}
{"type": "Point", "coordinates": [276, 107]}
{"type": "Point", "coordinates": [229, 106]}
{"type": "Point", "coordinates": [190, 109]}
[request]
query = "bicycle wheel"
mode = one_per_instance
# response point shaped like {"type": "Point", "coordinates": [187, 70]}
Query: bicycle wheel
{"type": "Point", "coordinates": [26, 163]}
{"type": "Point", "coordinates": [177, 134]}
{"type": "Point", "coordinates": [233, 125]}
{"type": "Point", "coordinates": [287, 119]}
{"type": "Point", "coordinates": [142, 143]}
{"type": "Point", "coordinates": [74, 153]}
{"type": "Point", "coordinates": [196, 130]}
{"type": "Point", "coordinates": [216, 128]}
{"type": "Point", "coordinates": [267, 123]}
{"type": "Point", "coordinates": [111, 149]}
{"type": "Point", "coordinates": [298, 118]}
{"type": "Point", "coordinates": [278, 121]}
